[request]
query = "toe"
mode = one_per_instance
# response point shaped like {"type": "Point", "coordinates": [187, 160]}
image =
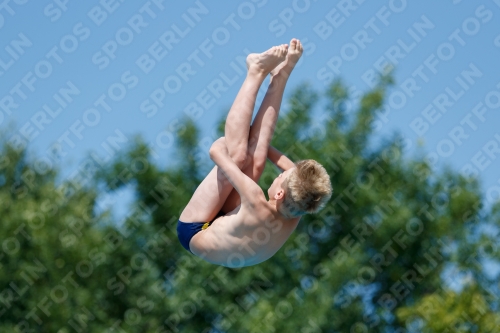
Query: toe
{"type": "Point", "coordinates": [293, 44]}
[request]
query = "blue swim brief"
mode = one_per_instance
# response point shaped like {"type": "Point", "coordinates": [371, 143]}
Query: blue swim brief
{"type": "Point", "coordinates": [186, 230]}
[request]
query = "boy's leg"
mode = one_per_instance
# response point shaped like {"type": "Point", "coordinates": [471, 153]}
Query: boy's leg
{"type": "Point", "coordinates": [211, 194]}
{"type": "Point", "coordinates": [238, 120]}
{"type": "Point", "coordinates": [262, 129]}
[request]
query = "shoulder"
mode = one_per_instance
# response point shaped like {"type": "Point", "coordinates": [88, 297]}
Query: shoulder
{"type": "Point", "coordinates": [255, 209]}
{"type": "Point", "coordinates": [254, 200]}
{"type": "Point", "coordinates": [257, 206]}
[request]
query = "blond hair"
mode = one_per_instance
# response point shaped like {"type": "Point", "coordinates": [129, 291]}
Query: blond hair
{"type": "Point", "coordinates": [307, 189]}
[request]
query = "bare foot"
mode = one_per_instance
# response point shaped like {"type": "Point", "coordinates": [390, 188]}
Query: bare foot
{"type": "Point", "coordinates": [294, 53]}
{"type": "Point", "coordinates": [263, 63]}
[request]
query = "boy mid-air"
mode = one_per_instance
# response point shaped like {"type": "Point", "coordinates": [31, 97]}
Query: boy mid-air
{"type": "Point", "coordinates": [228, 220]}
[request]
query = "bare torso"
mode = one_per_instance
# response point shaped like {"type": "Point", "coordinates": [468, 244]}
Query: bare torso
{"type": "Point", "coordinates": [244, 237]}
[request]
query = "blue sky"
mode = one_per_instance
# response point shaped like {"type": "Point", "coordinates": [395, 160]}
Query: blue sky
{"type": "Point", "coordinates": [117, 68]}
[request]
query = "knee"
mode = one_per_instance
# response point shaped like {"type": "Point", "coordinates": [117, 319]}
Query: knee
{"type": "Point", "coordinates": [259, 163]}
{"type": "Point", "coordinates": [240, 157]}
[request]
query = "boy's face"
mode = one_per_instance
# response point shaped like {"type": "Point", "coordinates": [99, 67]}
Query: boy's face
{"type": "Point", "coordinates": [276, 188]}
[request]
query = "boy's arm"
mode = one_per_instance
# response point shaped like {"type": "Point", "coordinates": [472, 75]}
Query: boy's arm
{"type": "Point", "coordinates": [279, 159]}
{"type": "Point", "coordinates": [248, 190]}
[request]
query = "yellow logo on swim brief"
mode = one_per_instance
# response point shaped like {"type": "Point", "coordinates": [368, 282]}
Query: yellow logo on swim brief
{"type": "Point", "coordinates": [205, 225]}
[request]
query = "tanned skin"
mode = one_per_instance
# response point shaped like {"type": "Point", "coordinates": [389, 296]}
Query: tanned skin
{"type": "Point", "coordinates": [253, 228]}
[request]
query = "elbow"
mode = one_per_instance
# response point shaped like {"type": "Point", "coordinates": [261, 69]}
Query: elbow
{"type": "Point", "coordinates": [215, 148]}
{"type": "Point", "coordinates": [212, 152]}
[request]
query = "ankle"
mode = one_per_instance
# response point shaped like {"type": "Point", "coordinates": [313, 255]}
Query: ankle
{"type": "Point", "coordinates": [280, 78]}
{"type": "Point", "coordinates": [254, 73]}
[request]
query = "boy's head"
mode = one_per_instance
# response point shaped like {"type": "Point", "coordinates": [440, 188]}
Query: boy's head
{"type": "Point", "coordinates": [303, 189]}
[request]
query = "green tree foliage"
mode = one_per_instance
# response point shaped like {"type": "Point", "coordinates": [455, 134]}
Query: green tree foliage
{"type": "Point", "coordinates": [377, 259]}
{"type": "Point", "coordinates": [65, 268]}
